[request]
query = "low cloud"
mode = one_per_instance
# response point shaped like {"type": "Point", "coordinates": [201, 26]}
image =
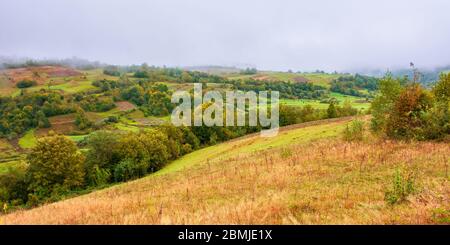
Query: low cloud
{"type": "Point", "coordinates": [281, 35]}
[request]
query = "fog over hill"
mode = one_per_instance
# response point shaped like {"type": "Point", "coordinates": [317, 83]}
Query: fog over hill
{"type": "Point", "coordinates": [270, 35]}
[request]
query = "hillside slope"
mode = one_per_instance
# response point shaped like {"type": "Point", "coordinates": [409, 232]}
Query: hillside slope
{"type": "Point", "coordinates": [306, 174]}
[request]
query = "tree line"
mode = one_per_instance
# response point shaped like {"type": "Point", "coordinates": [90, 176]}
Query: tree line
{"type": "Point", "coordinates": [351, 85]}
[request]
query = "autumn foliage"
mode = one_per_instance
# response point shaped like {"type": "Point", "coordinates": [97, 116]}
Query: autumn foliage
{"type": "Point", "coordinates": [408, 111]}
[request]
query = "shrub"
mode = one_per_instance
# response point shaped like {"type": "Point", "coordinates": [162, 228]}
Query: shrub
{"type": "Point", "coordinates": [438, 119]}
{"type": "Point", "coordinates": [411, 112]}
{"type": "Point", "coordinates": [346, 110]}
{"type": "Point", "coordinates": [141, 74]}
{"type": "Point", "coordinates": [81, 120]}
{"type": "Point", "coordinates": [354, 130]}
{"type": "Point", "coordinates": [99, 176]}
{"type": "Point", "coordinates": [13, 186]}
{"type": "Point", "coordinates": [97, 103]}
{"type": "Point", "coordinates": [112, 119]}
{"type": "Point", "coordinates": [406, 117]}
{"type": "Point", "coordinates": [382, 105]}
{"type": "Point", "coordinates": [331, 111]}
{"type": "Point", "coordinates": [441, 89]}
{"type": "Point", "coordinates": [25, 83]}
{"type": "Point", "coordinates": [186, 148]}
{"type": "Point", "coordinates": [437, 124]}
{"type": "Point", "coordinates": [128, 169]}
{"type": "Point", "coordinates": [403, 185]}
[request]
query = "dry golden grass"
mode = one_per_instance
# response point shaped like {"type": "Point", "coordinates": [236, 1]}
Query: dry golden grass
{"type": "Point", "coordinates": [326, 181]}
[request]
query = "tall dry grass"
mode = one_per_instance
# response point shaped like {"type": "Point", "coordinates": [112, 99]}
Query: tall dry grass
{"type": "Point", "coordinates": [323, 182]}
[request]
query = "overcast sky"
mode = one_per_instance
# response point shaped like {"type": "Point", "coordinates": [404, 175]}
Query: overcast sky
{"type": "Point", "coordinates": [276, 34]}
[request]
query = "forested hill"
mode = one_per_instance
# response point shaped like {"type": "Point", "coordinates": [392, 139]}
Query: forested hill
{"type": "Point", "coordinates": [428, 75]}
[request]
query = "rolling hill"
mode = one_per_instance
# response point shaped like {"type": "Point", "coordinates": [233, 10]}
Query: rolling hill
{"type": "Point", "coordinates": [305, 175]}
{"type": "Point", "coordinates": [322, 79]}
{"type": "Point", "coordinates": [64, 79]}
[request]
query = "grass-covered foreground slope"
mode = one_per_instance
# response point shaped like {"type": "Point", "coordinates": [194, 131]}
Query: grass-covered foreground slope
{"type": "Point", "coordinates": [305, 175]}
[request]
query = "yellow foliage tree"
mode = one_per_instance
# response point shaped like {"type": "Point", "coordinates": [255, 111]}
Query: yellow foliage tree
{"type": "Point", "coordinates": [54, 164]}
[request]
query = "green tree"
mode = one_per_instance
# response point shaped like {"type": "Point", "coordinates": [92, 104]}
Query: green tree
{"type": "Point", "coordinates": [354, 131]}
{"type": "Point", "coordinates": [26, 83]}
{"type": "Point", "coordinates": [81, 120]}
{"type": "Point", "coordinates": [441, 90]}
{"type": "Point", "coordinates": [103, 154]}
{"type": "Point", "coordinates": [382, 105]}
{"type": "Point", "coordinates": [43, 121]}
{"type": "Point", "coordinates": [54, 164]}
{"type": "Point", "coordinates": [148, 149]}
{"type": "Point", "coordinates": [331, 111]}
{"type": "Point", "coordinates": [438, 119]}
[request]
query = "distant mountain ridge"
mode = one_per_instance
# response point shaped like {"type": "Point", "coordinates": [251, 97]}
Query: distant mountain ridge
{"type": "Point", "coordinates": [428, 75]}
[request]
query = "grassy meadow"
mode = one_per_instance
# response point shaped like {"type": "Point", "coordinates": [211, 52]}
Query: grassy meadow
{"type": "Point", "coordinates": [315, 78]}
{"type": "Point", "coordinates": [356, 102]}
{"type": "Point", "coordinates": [50, 77]}
{"type": "Point", "coordinates": [305, 175]}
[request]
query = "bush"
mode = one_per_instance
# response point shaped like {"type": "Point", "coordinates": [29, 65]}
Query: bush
{"type": "Point", "coordinates": [26, 83]}
{"type": "Point", "coordinates": [81, 120]}
{"type": "Point", "coordinates": [405, 120]}
{"type": "Point", "coordinates": [346, 110]}
{"type": "Point", "coordinates": [438, 118]}
{"type": "Point", "coordinates": [141, 74]}
{"type": "Point", "coordinates": [411, 112]}
{"type": "Point", "coordinates": [382, 105]}
{"type": "Point", "coordinates": [437, 124]}
{"type": "Point", "coordinates": [112, 119]}
{"type": "Point", "coordinates": [331, 111]}
{"type": "Point", "coordinates": [186, 148]}
{"type": "Point", "coordinates": [99, 176]}
{"type": "Point", "coordinates": [403, 185]}
{"type": "Point", "coordinates": [354, 130]}
{"type": "Point", "coordinates": [13, 186]}
{"type": "Point", "coordinates": [128, 169]}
